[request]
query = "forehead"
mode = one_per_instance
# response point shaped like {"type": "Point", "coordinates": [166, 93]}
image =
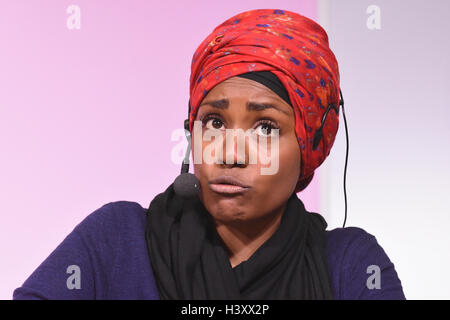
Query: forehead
{"type": "Point", "coordinates": [253, 94]}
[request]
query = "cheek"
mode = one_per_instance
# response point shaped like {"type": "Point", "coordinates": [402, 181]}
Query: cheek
{"type": "Point", "coordinates": [290, 161]}
{"type": "Point", "coordinates": [201, 172]}
{"type": "Point", "coordinates": [285, 179]}
{"type": "Point", "coordinates": [201, 168]}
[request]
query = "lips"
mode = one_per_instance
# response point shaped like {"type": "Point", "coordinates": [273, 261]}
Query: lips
{"type": "Point", "coordinates": [228, 185]}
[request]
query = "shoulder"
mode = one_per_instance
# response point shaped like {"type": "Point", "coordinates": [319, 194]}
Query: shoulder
{"type": "Point", "coordinates": [116, 211]}
{"type": "Point", "coordinates": [99, 247]}
{"type": "Point", "coordinates": [113, 218]}
{"type": "Point", "coordinates": [359, 267]}
{"type": "Point", "coordinates": [350, 237]}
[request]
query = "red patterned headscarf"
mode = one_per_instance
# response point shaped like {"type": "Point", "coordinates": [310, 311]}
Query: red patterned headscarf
{"type": "Point", "coordinates": [296, 50]}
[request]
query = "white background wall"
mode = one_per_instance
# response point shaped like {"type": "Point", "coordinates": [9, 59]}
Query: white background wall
{"type": "Point", "coordinates": [395, 83]}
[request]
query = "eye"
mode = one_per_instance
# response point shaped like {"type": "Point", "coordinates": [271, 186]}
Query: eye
{"type": "Point", "coordinates": [265, 128]}
{"type": "Point", "coordinates": [211, 122]}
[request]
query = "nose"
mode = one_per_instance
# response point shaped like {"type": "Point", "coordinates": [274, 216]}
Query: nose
{"type": "Point", "coordinates": [236, 149]}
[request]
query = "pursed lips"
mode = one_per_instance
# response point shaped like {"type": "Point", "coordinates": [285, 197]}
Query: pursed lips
{"type": "Point", "coordinates": [228, 185]}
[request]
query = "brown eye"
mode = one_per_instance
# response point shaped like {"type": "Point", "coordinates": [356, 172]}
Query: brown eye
{"type": "Point", "coordinates": [214, 123]}
{"type": "Point", "coordinates": [265, 129]}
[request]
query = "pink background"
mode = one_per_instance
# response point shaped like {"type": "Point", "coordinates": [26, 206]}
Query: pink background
{"type": "Point", "coordinates": [87, 115]}
{"type": "Point", "coordinates": [86, 118]}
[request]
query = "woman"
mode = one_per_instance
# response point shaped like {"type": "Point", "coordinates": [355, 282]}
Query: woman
{"type": "Point", "coordinates": [245, 234]}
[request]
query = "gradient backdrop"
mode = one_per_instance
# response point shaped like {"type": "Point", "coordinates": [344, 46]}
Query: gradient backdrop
{"type": "Point", "coordinates": [86, 118]}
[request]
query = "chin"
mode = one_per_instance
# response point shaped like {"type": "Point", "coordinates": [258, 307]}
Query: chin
{"type": "Point", "coordinates": [226, 209]}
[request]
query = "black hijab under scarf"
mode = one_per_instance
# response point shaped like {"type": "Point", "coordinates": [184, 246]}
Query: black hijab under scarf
{"type": "Point", "coordinates": [190, 262]}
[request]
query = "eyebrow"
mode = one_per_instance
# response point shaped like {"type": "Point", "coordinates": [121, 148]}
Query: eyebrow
{"type": "Point", "coordinates": [250, 105]}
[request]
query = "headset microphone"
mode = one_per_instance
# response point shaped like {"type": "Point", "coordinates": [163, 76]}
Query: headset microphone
{"type": "Point", "coordinates": [318, 135]}
{"type": "Point", "coordinates": [186, 185]}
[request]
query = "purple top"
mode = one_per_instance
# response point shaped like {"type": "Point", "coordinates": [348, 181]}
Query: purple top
{"type": "Point", "coordinates": [110, 250]}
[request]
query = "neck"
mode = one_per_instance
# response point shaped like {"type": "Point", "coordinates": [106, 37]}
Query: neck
{"type": "Point", "coordinates": [243, 238]}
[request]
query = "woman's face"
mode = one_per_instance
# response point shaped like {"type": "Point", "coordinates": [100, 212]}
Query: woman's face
{"type": "Point", "coordinates": [227, 106]}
